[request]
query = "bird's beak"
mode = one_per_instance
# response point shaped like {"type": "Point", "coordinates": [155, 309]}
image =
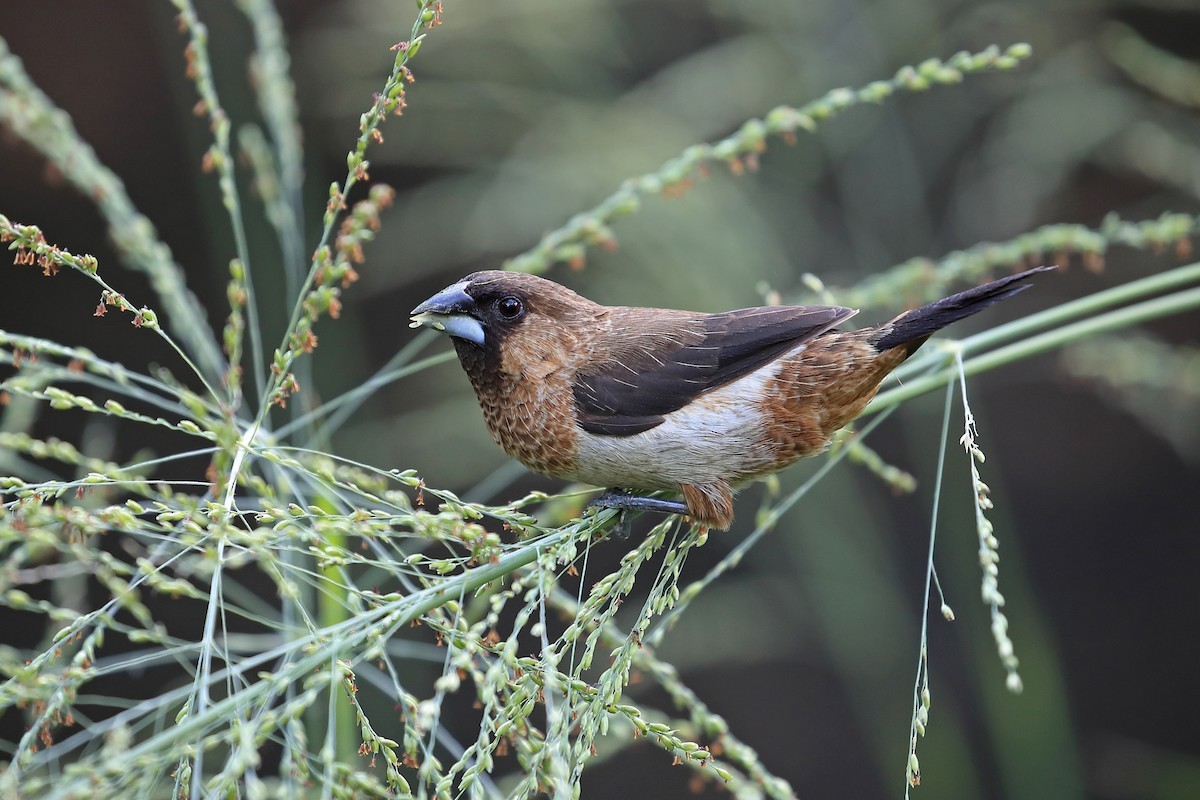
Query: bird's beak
{"type": "Point", "coordinates": [450, 311]}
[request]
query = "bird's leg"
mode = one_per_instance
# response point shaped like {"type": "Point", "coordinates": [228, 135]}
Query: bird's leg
{"type": "Point", "coordinates": [614, 498]}
{"type": "Point", "coordinates": [623, 501]}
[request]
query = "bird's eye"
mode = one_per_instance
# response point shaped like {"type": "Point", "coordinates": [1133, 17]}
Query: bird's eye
{"type": "Point", "coordinates": [510, 307]}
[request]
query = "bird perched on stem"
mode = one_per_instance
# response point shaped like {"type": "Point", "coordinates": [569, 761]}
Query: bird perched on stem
{"type": "Point", "coordinates": [650, 398]}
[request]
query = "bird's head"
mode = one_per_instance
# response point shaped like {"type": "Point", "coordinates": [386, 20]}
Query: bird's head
{"type": "Point", "coordinates": [508, 321]}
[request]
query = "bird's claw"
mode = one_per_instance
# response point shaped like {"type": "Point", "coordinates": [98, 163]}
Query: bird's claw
{"type": "Point", "coordinates": [624, 502]}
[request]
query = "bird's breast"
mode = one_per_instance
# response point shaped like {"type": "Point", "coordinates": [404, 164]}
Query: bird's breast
{"type": "Point", "coordinates": [533, 420]}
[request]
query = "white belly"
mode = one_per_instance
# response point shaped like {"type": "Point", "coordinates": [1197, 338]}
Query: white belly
{"type": "Point", "coordinates": [715, 437]}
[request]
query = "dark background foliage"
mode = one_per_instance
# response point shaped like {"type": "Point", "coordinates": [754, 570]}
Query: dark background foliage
{"type": "Point", "coordinates": [523, 113]}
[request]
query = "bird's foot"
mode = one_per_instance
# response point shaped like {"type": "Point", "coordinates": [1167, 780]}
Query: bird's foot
{"type": "Point", "coordinates": [623, 502]}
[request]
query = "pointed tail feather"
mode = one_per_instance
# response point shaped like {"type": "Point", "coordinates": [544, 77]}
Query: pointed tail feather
{"type": "Point", "coordinates": [912, 328]}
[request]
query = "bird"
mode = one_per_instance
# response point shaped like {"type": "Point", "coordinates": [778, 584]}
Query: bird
{"type": "Point", "coordinates": [640, 400]}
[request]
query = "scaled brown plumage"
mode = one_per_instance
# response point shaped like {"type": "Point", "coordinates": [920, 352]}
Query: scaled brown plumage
{"type": "Point", "coordinates": [647, 398]}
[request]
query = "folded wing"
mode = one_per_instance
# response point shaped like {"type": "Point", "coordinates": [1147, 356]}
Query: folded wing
{"type": "Point", "coordinates": [663, 370]}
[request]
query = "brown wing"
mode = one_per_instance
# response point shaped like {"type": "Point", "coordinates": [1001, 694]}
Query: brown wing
{"type": "Point", "coordinates": [659, 374]}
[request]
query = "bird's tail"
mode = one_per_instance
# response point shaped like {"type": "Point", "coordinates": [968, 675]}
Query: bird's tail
{"type": "Point", "coordinates": [912, 328]}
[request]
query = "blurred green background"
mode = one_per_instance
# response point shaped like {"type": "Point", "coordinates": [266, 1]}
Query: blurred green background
{"type": "Point", "coordinates": [525, 113]}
